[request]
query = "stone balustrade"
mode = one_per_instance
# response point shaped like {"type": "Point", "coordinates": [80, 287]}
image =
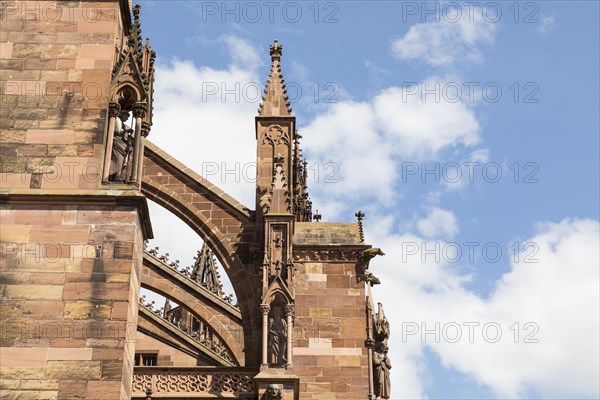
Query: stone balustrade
{"type": "Point", "coordinates": [194, 382]}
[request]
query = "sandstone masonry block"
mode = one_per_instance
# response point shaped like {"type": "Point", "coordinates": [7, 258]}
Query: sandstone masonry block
{"type": "Point", "coordinates": [86, 370]}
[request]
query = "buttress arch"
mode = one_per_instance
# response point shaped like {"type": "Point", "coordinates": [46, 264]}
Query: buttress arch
{"type": "Point", "coordinates": [220, 221]}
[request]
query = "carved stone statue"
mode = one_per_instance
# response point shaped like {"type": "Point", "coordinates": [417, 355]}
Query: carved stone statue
{"type": "Point", "coordinates": [274, 392]}
{"type": "Point", "coordinates": [381, 362]}
{"type": "Point", "coordinates": [381, 372]}
{"type": "Point", "coordinates": [277, 338]}
{"type": "Point", "coordinates": [121, 149]}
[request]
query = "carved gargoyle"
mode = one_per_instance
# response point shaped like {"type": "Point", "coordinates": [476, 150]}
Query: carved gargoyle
{"type": "Point", "coordinates": [371, 279]}
{"type": "Point", "coordinates": [274, 392]}
{"type": "Point", "coordinates": [363, 262]}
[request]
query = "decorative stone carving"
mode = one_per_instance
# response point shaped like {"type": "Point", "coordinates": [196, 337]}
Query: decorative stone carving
{"type": "Point", "coordinates": [381, 372]}
{"type": "Point", "coordinates": [264, 309]}
{"type": "Point", "coordinates": [290, 309]}
{"type": "Point", "coordinates": [113, 109]}
{"type": "Point", "coordinates": [122, 145]}
{"type": "Point", "coordinates": [275, 135]}
{"type": "Point", "coordinates": [140, 109]}
{"type": "Point", "coordinates": [381, 326]}
{"type": "Point", "coordinates": [278, 328]}
{"type": "Point", "coordinates": [131, 90]}
{"type": "Point", "coordinates": [310, 255]}
{"type": "Point", "coordinates": [363, 261]}
{"type": "Point", "coordinates": [302, 205]}
{"type": "Point", "coordinates": [275, 101]}
{"type": "Point", "coordinates": [205, 271]}
{"type": "Point", "coordinates": [371, 279]}
{"type": "Point", "coordinates": [199, 382]}
{"type": "Point", "coordinates": [359, 216]}
{"type": "Point", "coordinates": [381, 361]}
{"type": "Point", "coordinates": [274, 392]}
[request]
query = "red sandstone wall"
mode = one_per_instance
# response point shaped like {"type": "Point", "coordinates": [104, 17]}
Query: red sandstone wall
{"type": "Point", "coordinates": [56, 62]}
{"type": "Point", "coordinates": [69, 272]}
{"type": "Point", "coordinates": [329, 333]}
{"type": "Point", "coordinates": [69, 279]}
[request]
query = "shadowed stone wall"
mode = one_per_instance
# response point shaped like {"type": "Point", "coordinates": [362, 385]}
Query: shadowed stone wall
{"type": "Point", "coordinates": [71, 248]}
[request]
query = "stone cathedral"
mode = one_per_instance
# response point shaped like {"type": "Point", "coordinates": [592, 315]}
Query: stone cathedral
{"type": "Point", "coordinates": [77, 168]}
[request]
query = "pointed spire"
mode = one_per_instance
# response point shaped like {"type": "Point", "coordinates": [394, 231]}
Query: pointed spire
{"type": "Point", "coordinates": [205, 271]}
{"type": "Point", "coordinates": [275, 102]}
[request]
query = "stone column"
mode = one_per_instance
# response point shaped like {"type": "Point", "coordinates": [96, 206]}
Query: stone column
{"type": "Point", "coordinates": [145, 132]}
{"type": "Point", "coordinates": [113, 113]}
{"type": "Point", "coordinates": [289, 313]}
{"type": "Point", "coordinates": [369, 343]}
{"type": "Point", "coordinates": [139, 111]}
{"type": "Point", "coordinates": [264, 309]}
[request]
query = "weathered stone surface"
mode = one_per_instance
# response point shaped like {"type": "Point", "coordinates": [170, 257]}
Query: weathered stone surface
{"type": "Point", "coordinates": [46, 384]}
{"type": "Point", "coordinates": [87, 309]}
{"type": "Point", "coordinates": [22, 373]}
{"type": "Point", "coordinates": [72, 389]}
{"type": "Point", "coordinates": [73, 370]}
{"type": "Point", "coordinates": [34, 292]}
{"type": "Point", "coordinates": [326, 233]}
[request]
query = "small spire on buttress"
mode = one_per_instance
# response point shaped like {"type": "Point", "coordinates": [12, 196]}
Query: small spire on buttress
{"type": "Point", "coordinates": [275, 102]}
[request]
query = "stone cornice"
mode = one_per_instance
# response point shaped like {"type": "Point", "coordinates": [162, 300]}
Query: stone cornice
{"type": "Point", "coordinates": [115, 197]}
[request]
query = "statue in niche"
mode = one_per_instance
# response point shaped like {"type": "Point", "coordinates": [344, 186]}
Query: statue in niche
{"type": "Point", "coordinates": [277, 338]}
{"type": "Point", "coordinates": [122, 147]}
{"type": "Point", "coordinates": [274, 392]}
{"type": "Point", "coordinates": [381, 371]}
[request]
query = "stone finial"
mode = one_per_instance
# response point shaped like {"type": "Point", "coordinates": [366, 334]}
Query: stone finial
{"type": "Point", "coordinates": [276, 50]}
{"type": "Point", "coordinates": [360, 215]}
{"type": "Point", "coordinates": [317, 217]}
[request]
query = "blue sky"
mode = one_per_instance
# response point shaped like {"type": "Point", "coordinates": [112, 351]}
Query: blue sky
{"type": "Point", "coordinates": [387, 75]}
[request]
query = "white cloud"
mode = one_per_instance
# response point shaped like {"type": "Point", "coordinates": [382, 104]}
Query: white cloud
{"type": "Point", "coordinates": [243, 53]}
{"type": "Point", "coordinates": [204, 117]}
{"type": "Point", "coordinates": [546, 24]}
{"type": "Point", "coordinates": [367, 141]}
{"type": "Point", "coordinates": [446, 43]}
{"type": "Point", "coordinates": [439, 223]}
{"type": "Point", "coordinates": [559, 294]}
